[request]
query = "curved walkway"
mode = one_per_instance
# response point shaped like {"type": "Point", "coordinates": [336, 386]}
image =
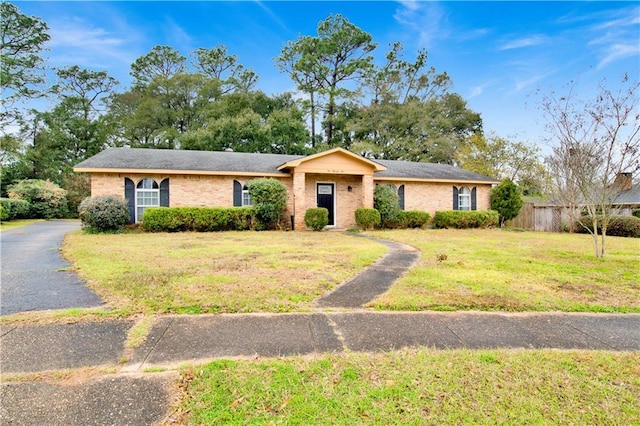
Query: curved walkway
{"type": "Point", "coordinates": [374, 280]}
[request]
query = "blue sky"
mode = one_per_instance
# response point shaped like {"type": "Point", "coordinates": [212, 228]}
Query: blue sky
{"type": "Point", "coordinates": [499, 55]}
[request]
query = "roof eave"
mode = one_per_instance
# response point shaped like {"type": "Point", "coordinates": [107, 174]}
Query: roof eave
{"type": "Point", "coordinates": [178, 172]}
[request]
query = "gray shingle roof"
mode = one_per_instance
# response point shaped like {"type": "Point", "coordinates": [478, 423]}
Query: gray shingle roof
{"type": "Point", "coordinates": [239, 162]}
{"type": "Point", "coordinates": [630, 196]}
{"type": "Point", "coordinates": [407, 169]}
{"type": "Point", "coordinates": [183, 160]}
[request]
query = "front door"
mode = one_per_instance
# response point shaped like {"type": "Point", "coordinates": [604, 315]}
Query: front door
{"type": "Point", "coordinates": [325, 194]}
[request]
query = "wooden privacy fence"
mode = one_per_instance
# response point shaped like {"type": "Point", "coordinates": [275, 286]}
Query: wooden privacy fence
{"type": "Point", "coordinates": [540, 218]}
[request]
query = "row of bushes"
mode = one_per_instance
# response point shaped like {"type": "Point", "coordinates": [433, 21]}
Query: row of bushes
{"type": "Point", "coordinates": [372, 218]}
{"type": "Point", "coordinates": [198, 219]}
{"type": "Point", "coordinates": [466, 219]}
{"type": "Point", "coordinates": [619, 226]}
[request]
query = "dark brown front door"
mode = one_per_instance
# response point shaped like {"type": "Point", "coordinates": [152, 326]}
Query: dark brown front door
{"type": "Point", "coordinates": [325, 194]}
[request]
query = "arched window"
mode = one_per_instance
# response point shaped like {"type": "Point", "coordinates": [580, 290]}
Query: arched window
{"type": "Point", "coordinates": [147, 195]}
{"type": "Point", "coordinates": [464, 198]}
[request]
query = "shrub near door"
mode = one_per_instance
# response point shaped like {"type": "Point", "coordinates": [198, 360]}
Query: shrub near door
{"type": "Point", "coordinates": [316, 219]}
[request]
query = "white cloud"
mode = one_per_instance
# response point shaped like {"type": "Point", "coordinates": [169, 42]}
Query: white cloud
{"type": "Point", "coordinates": [178, 37]}
{"type": "Point", "coordinates": [75, 42]}
{"type": "Point", "coordinates": [617, 52]}
{"type": "Point", "coordinates": [426, 19]}
{"type": "Point", "coordinates": [519, 43]}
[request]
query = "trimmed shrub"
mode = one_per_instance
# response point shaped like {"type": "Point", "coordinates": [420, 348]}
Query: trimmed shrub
{"type": "Point", "coordinates": [619, 226]}
{"type": "Point", "coordinates": [14, 209]}
{"type": "Point", "coordinates": [415, 219]}
{"type": "Point", "coordinates": [3, 215]}
{"type": "Point", "coordinates": [103, 213]}
{"type": "Point", "coordinates": [46, 199]}
{"type": "Point", "coordinates": [367, 218]}
{"type": "Point", "coordinates": [636, 213]}
{"type": "Point", "coordinates": [387, 202]}
{"type": "Point", "coordinates": [466, 219]}
{"type": "Point", "coordinates": [506, 200]}
{"type": "Point", "coordinates": [197, 219]}
{"type": "Point", "coordinates": [317, 218]}
{"type": "Point", "coordinates": [269, 197]}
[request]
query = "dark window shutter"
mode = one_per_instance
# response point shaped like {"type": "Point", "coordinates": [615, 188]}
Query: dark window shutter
{"type": "Point", "coordinates": [401, 196]}
{"type": "Point", "coordinates": [474, 205]}
{"type": "Point", "coordinates": [130, 196]}
{"type": "Point", "coordinates": [455, 198]}
{"type": "Point", "coordinates": [237, 193]}
{"type": "Point", "coordinates": [164, 193]}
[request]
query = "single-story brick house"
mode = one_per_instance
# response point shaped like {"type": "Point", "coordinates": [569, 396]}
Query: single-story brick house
{"type": "Point", "coordinates": [336, 179]}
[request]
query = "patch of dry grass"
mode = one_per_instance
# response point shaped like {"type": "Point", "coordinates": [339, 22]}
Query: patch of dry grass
{"type": "Point", "coordinates": [515, 271]}
{"type": "Point", "coordinates": [217, 272]}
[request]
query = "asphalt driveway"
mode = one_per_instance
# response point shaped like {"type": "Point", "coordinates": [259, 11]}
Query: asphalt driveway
{"type": "Point", "coordinates": [34, 275]}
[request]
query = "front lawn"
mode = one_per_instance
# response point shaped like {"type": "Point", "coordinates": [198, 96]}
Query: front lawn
{"type": "Point", "coordinates": [515, 271]}
{"type": "Point", "coordinates": [418, 386]}
{"type": "Point", "coordinates": [285, 271]}
{"type": "Point", "coordinates": [217, 272]}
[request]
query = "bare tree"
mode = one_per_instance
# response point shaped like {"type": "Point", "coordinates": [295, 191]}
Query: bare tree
{"type": "Point", "coordinates": [596, 142]}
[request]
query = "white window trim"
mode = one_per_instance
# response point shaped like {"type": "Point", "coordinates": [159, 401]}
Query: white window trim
{"type": "Point", "coordinates": [245, 193]}
{"type": "Point", "coordinates": [144, 190]}
{"type": "Point", "coordinates": [462, 196]}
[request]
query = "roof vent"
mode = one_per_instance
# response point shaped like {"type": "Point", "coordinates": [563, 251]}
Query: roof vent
{"type": "Point", "coordinates": [228, 150]}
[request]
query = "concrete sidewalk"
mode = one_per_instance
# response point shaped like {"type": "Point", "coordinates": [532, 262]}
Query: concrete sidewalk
{"type": "Point", "coordinates": [177, 339]}
{"type": "Point", "coordinates": [128, 397]}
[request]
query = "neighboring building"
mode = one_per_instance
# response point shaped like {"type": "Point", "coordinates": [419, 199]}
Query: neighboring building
{"type": "Point", "coordinates": [336, 179]}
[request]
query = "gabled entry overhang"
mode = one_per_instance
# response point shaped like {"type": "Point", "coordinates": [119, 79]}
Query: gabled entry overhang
{"type": "Point", "coordinates": [335, 161]}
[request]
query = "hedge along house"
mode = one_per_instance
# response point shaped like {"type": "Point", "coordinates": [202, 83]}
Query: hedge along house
{"type": "Point", "coordinates": [337, 179]}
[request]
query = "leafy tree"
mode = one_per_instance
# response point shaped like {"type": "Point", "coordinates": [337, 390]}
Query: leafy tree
{"type": "Point", "coordinates": [250, 122]}
{"type": "Point", "coordinates": [504, 159]}
{"type": "Point", "coordinates": [324, 64]}
{"type": "Point", "coordinates": [161, 61]}
{"type": "Point", "coordinates": [217, 63]}
{"type": "Point", "coordinates": [21, 64]}
{"type": "Point", "coordinates": [89, 87]}
{"type": "Point", "coordinates": [596, 141]}
{"type": "Point", "coordinates": [291, 61]}
{"type": "Point", "coordinates": [415, 131]}
{"type": "Point", "coordinates": [506, 200]}
{"type": "Point", "coordinates": [74, 129]}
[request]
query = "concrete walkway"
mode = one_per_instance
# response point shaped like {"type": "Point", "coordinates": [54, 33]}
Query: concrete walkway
{"type": "Point", "coordinates": [374, 280]}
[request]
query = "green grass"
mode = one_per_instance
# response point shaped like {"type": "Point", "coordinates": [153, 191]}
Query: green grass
{"type": "Point", "coordinates": [515, 271]}
{"type": "Point", "coordinates": [227, 272]}
{"type": "Point", "coordinates": [419, 387]}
